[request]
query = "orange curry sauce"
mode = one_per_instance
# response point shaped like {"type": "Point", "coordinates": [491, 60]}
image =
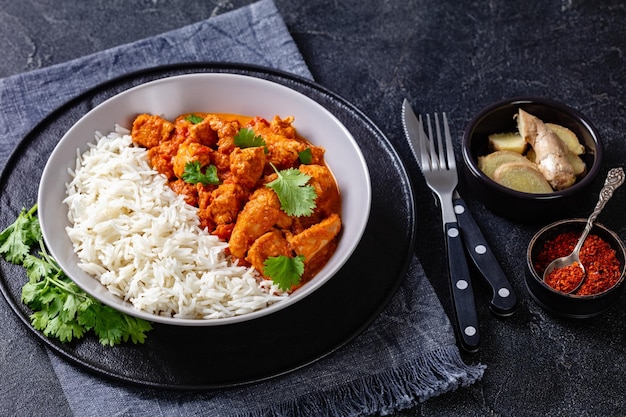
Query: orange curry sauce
{"type": "Point", "coordinates": [241, 209]}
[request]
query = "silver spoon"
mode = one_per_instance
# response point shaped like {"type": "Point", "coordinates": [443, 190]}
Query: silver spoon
{"type": "Point", "coordinates": [614, 179]}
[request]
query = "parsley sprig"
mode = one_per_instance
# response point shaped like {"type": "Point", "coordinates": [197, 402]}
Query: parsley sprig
{"type": "Point", "coordinates": [60, 308]}
{"type": "Point", "coordinates": [193, 174]}
{"type": "Point", "coordinates": [305, 156]}
{"type": "Point", "coordinates": [246, 138]}
{"type": "Point", "coordinates": [194, 119]}
{"type": "Point", "coordinates": [284, 271]}
{"type": "Point", "coordinates": [297, 198]}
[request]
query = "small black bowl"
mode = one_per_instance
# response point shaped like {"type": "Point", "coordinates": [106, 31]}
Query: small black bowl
{"type": "Point", "coordinates": [499, 117]}
{"type": "Point", "coordinates": [569, 305]}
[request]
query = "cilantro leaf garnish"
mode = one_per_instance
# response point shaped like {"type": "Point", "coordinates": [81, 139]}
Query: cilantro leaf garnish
{"type": "Point", "coordinates": [193, 174]}
{"type": "Point", "coordinates": [284, 271]}
{"type": "Point", "coordinates": [60, 308]}
{"type": "Point", "coordinates": [297, 198]}
{"type": "Point", "coordinates": [15, 240]}
{"type": "Point", "coordinates": [305, 156]}
{"type": "Point", "coordinates": [194, 119]}
{"type": "Point", "coordinates": [246, 138]}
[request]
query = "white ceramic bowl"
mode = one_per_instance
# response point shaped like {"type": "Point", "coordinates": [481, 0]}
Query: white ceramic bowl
{"type": "Point", "coordinates": [218, 93]}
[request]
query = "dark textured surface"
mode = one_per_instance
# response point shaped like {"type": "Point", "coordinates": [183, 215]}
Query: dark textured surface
{"type": "Point", "coordinates": [443, 56]}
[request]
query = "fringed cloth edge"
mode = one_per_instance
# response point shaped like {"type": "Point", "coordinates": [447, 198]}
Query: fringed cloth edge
{"type": "Point", "coordinates": [434, 373]}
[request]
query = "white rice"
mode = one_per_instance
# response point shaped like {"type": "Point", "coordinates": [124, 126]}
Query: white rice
{"type": "Point", "coordinates": [144, 243]}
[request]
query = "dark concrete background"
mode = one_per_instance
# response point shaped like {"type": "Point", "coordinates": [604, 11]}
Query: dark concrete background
{"type": "Point", "coordinates": [442, 55]}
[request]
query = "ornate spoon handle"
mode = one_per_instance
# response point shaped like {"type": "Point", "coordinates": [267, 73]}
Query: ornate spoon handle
{"type": "Point", "coordinates": [614, 179]}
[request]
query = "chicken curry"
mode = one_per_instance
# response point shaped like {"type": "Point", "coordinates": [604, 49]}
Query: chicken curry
{"type": "Point", "coordinates": [226, 165]}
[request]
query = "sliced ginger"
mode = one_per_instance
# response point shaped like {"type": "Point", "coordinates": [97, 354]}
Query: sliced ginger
{"type": "Point", "coordinates": [548, 149]}
{"type": "Point", "coordinates": [490, 162]}
{"type": "Point", "coordinates": [512, 141]}
{"type": "Point", "coordinates": [522, 177]}
{"type": "Point", "coordinates": [568, 137]}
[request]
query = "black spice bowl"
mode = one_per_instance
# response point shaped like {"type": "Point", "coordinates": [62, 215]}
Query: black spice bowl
{"type": "Point", "coordinates": [499, 118]}
{"type": "Point", "coordinates": [568, 305]}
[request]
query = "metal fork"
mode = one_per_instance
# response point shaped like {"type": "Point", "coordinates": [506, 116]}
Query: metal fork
{"type": "Point", "coordinates": [439, 168]}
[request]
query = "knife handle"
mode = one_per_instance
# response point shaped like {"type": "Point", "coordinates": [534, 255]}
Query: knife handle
{"type": "Point", "coordinates": [503, 299]}
{"type": "Point", "coordinates": [461, 288]}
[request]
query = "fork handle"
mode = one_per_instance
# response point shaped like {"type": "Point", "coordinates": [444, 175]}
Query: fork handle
{"type": "Point", "coordinates": [503, 299]}
{"type": "Point", "coordinates": [461, 288]}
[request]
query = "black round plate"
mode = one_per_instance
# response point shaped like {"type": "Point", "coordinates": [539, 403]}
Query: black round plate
{"type": "Point", "coordinates": [221, 356]}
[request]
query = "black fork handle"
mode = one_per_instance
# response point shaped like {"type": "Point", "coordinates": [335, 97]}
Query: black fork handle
{"type": "Point", "coordinates": [503, 300]}
{"type": "Point", "coordinates": [468, 331]}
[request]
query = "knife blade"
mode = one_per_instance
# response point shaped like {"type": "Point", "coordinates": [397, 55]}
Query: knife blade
{"type": "Point", "coordinates": [467, 327]}
{"type": "Point", "coordinates": [503, 299]}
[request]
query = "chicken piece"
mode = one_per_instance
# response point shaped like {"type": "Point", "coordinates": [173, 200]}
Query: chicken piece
{"type": "Point", "coordinates": [317, 155]}
{"type": "Point", "coordinates": [160, 158]}
{"type": "Point", "coordinates": [219, 208]}
{"type": "Point", "coordinates": [323, 181]}
{"type": "Point", "coordinates": [246, 165]}
{"type": "Point", "coordinates": [312, 240]}
{"type": "Point", "coordinates": [283, 152]}
{"type": "Point", "coordinates": [206, 223]}
{"type": "Point", "coordinates": [226, 132]}
{"type": "Point", "coordinates": [203, 133]}
{"type": "Point", "coordinates": [259, 215]}
{"type": "Point", "coordinates": [226, 202]}
{"type": "Point", "coordinates": [224, 231]}
{"type": "Point", "coordinates": [259, 125]}
{"type": "Point", "coordinates": [222, 163]}
{"type": "Point", "coordinates": [280, 141]}
{"type": "Point", "coordinates": [188, 191]}
{"type": "Point", "coordinates": [190, 152]}
{"type": "Point", "coordinates": [550, 151]}
{"type": "Point", "coordinates": [283, 127]}
{"type": "Point", "coordinates": [205, 194]}
{"type": "Point", "coordinates": [149, 131]}
{"type": "Point", "coordinates": [272, 243]}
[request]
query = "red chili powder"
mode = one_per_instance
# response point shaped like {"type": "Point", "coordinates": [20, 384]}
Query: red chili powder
{"type": "Point", "coordinates": [599, 259]}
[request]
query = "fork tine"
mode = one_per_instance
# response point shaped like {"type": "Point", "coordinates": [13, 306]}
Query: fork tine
{"type": "Point", "coordinates": [436, 163]}
{"type": "Point", "coordinates": [442, 155]}
{"type": "Point", "coordinates": [449, 148]}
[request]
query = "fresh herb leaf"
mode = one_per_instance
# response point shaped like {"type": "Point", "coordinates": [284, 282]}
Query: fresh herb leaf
{"type": "Point", "coordinates": [36, 268]}
{"type": "Point", "coordinates": [194, 119]}
{"type": "Point", "coordinates": [193, 174]}
{"type": "Point", "coordinates": [297, 198]}
{"type": "Point", "coordinates": [284, 271]}
{"type": "Point", "coordinates": [60, 308]}
{"type": "Point", "coordinates": [305, 156]}
{"type": "Point", "coordinates": [246, 138]}
{"type": "Point", "coordinates": [15, 240]}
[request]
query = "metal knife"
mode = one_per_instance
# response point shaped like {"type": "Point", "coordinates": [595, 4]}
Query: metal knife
{"type": "Point", "coordinates": [459, 274]}
{"type": "Point", "coordinates": [503, 299]}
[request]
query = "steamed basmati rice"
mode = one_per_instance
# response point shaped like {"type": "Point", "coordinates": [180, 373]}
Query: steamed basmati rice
{"type": "Point", "coordinates": [144, 243]}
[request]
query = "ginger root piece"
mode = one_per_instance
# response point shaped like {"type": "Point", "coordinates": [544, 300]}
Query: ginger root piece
{"type": "Point", "coordinates": [490, 162]}
{"type": "Point", "coordinates": [550, 151]}
{"type": "Point", "coordinates": [522, 177]}
{"type": "Point", "coordinates": [568, 137]}
{"type": "Point", "coordinates": [507, 142]}
{"type": "Point", "coordinates": [580, 168]}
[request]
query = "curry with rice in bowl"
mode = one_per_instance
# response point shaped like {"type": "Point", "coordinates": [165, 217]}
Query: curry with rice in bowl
{"type": "Point", "coordinates": [256, 184]}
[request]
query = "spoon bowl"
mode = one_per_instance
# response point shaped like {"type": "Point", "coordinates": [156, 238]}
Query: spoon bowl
{"type": "Point", "coordinates": [571, 266]}
{"type": "Point", "coordinates": [559, 303]}
{"type": "Point", "coordinates": [571, 263]}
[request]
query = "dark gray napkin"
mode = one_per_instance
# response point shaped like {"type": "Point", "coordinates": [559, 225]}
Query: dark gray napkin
{"type": "Point", "coordinates": [408, 354]}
